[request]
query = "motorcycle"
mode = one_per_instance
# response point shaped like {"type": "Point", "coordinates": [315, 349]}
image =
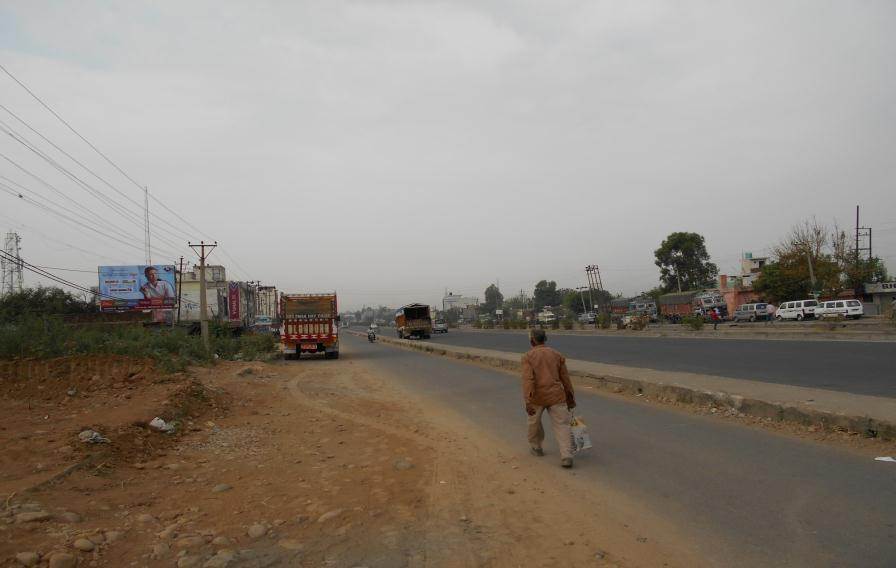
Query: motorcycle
{"type": "Point", "coordinates": [371, 336]}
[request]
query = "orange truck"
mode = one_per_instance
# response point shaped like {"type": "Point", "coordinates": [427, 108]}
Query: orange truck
{"type": "Point", "coordinates": [413, 320]}
{"type": "Point", "coordinates": [310, 325]}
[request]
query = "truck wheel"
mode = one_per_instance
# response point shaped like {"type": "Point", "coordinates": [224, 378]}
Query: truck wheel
{"type": "Point", "coordinates": [799, 317]}
{"type": "Point", "coordinates": [752, 319]}
{"type": "Point", "coordinates": [332, 355]}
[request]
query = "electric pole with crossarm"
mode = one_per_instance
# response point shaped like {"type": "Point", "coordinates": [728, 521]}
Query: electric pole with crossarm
{"type": "Point", "coordinates": [203, 301]}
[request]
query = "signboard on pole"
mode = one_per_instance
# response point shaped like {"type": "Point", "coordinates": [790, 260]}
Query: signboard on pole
{"type": "Point", "coordinates": [233, 300]}
{"type": "Point", "coordinates": [137, 287]}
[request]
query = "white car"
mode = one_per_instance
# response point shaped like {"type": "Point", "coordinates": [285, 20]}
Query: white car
{"type": "Point", "coordinates": [835, 308]}
{"type": "Point", "coordinates": [798, 310]}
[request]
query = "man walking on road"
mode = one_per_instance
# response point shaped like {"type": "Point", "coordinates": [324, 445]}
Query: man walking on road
{"type": "Point", "coordinates": [546, 387]}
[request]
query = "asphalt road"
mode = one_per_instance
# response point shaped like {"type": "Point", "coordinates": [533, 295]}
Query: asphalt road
{"type": "Point", "coordinates": [848, 366]}
{"type": "Point", "coordinates": [742, 496]}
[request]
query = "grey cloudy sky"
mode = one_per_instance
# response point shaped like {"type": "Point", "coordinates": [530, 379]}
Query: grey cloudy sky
{"type": "Point", "coordinates": [391, 150]}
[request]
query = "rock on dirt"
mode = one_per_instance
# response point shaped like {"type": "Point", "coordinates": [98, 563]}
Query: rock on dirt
{"type": "Point", "coordinates": [257, 531]}
{"type": "Point", "coordinates": [69, 517]}
{"type": "Point", "coordinates": [189, 561]}
{"type": "Point", "coordinates": [146, 518]}
{"type": "Point", "coordinates": [160, 550]}
{"type": "Point", "coordinates": [84, 545]}
{"type": "Point", "coordinates": [62, 560]}
{"type": "Point", "coordinates": [220, 560]}
{"type": "Point", "coordinates": [290, 544]}
{"type": "Point", "coordinates": [221, 488]}
{"type": "Point", "coordinates": [28, 558]}
{"type": "Point", "coordinates": [188, 542]}
{"type": "Point", "coordinates": [402, 465]}
{"type": "Point", "coordinates": [33, 517]}
{"type": "Point", "coordinates": [329, 515]}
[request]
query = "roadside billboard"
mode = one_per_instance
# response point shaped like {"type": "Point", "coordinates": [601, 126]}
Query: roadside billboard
{"type": "Point", "coordinates": [137, 287]}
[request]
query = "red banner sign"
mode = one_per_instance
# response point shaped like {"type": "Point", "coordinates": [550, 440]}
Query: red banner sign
{"type": "Point", "coordinates": [233, 300]}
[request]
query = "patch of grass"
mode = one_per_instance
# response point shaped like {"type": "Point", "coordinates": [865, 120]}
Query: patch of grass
{"type": "Point", "coordinates": [693, 322]}
{"type": "Point", "coordinates": [171, 349]}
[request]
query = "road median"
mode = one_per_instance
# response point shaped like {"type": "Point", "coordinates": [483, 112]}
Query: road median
{"type": "Point", "coordinates": [870, 416]}
{"type": "Point", "coordinates": [816, 331]}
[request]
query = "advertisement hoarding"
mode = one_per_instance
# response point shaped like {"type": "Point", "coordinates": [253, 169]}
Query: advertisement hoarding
{"type": "Point", "coordinates": [233, 300]}
{"type": "Point", "coordinates": [137, 287]}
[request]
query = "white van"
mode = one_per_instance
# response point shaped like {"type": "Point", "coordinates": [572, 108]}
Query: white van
{"type": "Point", "coordinates": [798, 310]}
{"type": "Point", "coordinates": [845, 308]}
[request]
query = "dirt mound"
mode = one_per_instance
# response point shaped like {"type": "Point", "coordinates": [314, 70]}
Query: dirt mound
{"type": "Point", "coordinates": [54, 379]}
{"type": "Point", "coordinates": [48, 405]}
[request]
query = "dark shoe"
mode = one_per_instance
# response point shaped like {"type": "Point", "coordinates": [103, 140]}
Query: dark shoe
{"type": "Point", "coordinates": [566, 462]}
{"type": "Point", "coordinates": [536, 452]}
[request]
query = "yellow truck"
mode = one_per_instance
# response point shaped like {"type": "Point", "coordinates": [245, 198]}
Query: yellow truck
{"type": "Point", "coordinates": [413, 320]}
{"type": "Point", "coordinates": [310, 325]}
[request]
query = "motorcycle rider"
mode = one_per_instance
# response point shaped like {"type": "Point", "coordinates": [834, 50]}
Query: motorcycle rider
{"type": "Point", "coordinates": [371, 332]}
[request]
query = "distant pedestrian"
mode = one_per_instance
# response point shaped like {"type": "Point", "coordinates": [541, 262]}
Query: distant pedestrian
{"type": "Point", "coordinates": [546, 387]}
{"type": "Point", "coordinates": [770, 311]}
{"type": "Point", "coordinates": [714, 315]}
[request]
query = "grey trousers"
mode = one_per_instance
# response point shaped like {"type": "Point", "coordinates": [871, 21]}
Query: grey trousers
{"type": "Point", "coordinates": [560, 418]}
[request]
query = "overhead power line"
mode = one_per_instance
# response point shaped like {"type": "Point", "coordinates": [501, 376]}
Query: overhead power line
{"type": "Point", "coordinates": [108, 184]}
{"type": "Point", "coordinates": [101, 154]}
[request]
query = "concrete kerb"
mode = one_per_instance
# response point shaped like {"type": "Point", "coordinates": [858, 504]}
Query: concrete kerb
{"type": "Point", "coordinates": [776, 408]}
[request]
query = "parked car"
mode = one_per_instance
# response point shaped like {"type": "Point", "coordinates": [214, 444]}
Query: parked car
{"type": "Point", "coordinates": [798, 310]}
{"type": "Point", "coordinates": [835, 308]}
{"type": "Point", "coordinates": [440, 326]}
{"type": "Point", "coordinates": [587, 317]}
{"type": "Point", "coordinates": [751, 312]}
{"type": "Point", "coordinates": [546, 317]}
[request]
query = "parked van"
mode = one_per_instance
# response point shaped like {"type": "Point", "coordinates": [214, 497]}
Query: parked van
{"type": "Point", "coordinates": [798, 310]}
{"type": "Point", "coordinates": [751, 312]}
{"type": "Point", "coordinates": [845, 308]}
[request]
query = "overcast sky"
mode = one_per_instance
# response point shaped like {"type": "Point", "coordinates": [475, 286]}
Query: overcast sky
{"type": "Point", "coordinates": [391, 150]}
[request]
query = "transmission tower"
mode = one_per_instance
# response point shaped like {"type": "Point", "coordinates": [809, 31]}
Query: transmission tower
{"type": "Point", "coordinates": [11, 265]}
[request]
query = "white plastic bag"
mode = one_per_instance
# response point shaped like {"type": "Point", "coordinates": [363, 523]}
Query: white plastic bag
{"type": "Point", "coordinates": [580, 438]}
{"type": "Point", "coordinates": [160, 425]}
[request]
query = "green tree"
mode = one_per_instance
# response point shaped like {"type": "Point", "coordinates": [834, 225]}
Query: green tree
{"type": "Point", "coordinates": [546, 294]}
{"type": "Point", "coordinates": [777, 283]}
{"type": "Point", "coordinates": [684, 262]}
{"type": "Point", "coordinates": [493, 299]}
{"type": "Point", "coordinates": [42, 302]}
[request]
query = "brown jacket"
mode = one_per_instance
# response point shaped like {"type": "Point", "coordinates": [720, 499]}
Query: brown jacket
{"type": "Point", "coordinates": [545, 378]}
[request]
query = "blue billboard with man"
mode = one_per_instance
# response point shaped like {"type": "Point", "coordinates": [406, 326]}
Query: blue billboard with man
{"type": "Point", "coordinates": [138, 287]}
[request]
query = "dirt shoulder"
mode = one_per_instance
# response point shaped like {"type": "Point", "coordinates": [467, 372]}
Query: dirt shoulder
{"type": "Point", "coordinates": [304, 463]}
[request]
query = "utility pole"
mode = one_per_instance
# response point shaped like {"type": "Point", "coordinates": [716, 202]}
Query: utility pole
{"type": "Point", "coordinates": [594, 283]}
{"type": "Point", "coordinates": [812, 277]}
{"type": "Point", "coordinates": [180, 286]}
{"type": "Point", "coordinates": [862, 233]}
{"type": "Point", "coordinates": [582, 296]}
{"type": "Point", "coordinates": [203, 301]}
{"type": "Point", "coordinates": [146, 224]}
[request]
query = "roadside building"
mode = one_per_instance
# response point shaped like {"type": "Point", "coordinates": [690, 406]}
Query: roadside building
{"type": "Point", "coordinates": [231, 303]}
{"type": "Point", "coordinates": [735, 292]}
{"type": "Point", "coordinates": [215, 293]}
{"type": "Point", "coordinates": [882, 296]}
{"type": "Point", "coordinates": [750, 268]}
{"type": "Point", "coordinates": [268, 302]}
